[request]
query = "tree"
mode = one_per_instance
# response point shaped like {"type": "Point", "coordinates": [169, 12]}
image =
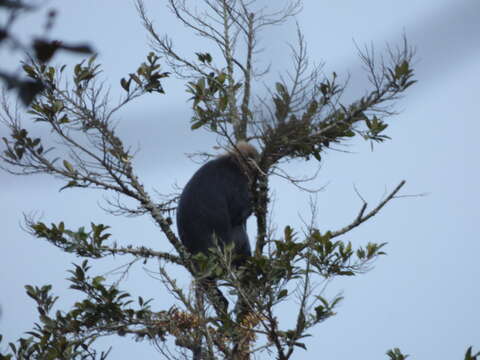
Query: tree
{"type": "Point", "coordinates": [303, 116]}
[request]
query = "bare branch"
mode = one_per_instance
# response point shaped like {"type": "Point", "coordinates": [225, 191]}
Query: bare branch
{"type": "Point", "coordinates": [361, 218]}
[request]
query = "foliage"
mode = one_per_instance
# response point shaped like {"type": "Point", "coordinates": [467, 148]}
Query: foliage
{"type": "Point", "coordinates": [469, 355]}
{"type": "Point", "coordinates": [396, 354]}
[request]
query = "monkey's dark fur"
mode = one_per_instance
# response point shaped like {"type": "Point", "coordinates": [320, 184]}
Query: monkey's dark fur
{"type": "Point", "coordinates": [216, 201]}
{"type": "Point", "coordinates": [214, 206]}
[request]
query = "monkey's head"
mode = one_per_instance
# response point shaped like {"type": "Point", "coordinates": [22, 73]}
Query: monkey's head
{"type": "Point", "coordinates": [246, 150]}
{"type": "Point", "coordinates": [247, 157]}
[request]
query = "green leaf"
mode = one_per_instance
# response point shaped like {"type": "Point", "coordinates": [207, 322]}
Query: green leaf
{"type": "Point", "coordinates": [19, 151]}
{"type": "Point", "coordinates": [401, 70]}
{"type": "Point", "coordinates": [312, 108]}
{"type": "Point", "coordinates": [197, 125]}
{"type": "Point", "coordinates": [302, 345]}
{"type": "Point", "coordinates": [222, 77]}
{"type": "Point", "coordinates": [136, 79]}
{"type": "Point", "coordinates": [29, 70]}
{"type": "Point", "coordinates": [409, 83]}
{"type": "Point", "coordinates": [396, 354]}
{"type": "Point", "coordinates": [97, 281]}
{"type": "Point", "coordinates": [204, 57]}
{"type": "Point", "coordinates": [92, 58]}
{"type": "Point", "coordinates": [64, 120]}
{"type": "Point", "coordinates": [469, 356]}
{"type": "Point", "coordinates": [201, 85]}
{"type": "Point", "coordinates": [125, 84]}
{"type": "Point", "coordinates": [324, 88]}
{"type": "Point", "coordinates": [70, 184]}
{"type": "Point", "coordinates": [280, 89]}
{"type": "Point", "coordinates": [222, 105]}
{"type": "Point", "coordinates": [68, 166]}
{"type": "Point", "coordinates": [283, 293]}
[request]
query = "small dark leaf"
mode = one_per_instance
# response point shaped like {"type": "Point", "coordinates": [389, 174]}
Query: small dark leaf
{"type": "Point", "coordinates": [410, 83]}
{"type": "Point", "coordinates": [204, 57]}
{"type": "Point", "coordinates": [302, 345]}
{"type": "Point", "coordinates": [223, 103]}
{"type": "Point", "coordinates": [71, 183]}
{"type": "Point", "coordinates": [29, 70]}
{"type": "Point", "coordinates": [136, 79]}
{"type": "Point", "coordinates": [324, 88]}
{"type": "Point", "coordinates": [345, 273]}
{"type": "Point", "coordinates": [401, 70]}
{"type": "Point", "coordinates": [44, 50]}
{"type": "Point", "coordinates": [28, 89]}
{"type": "Point", "coordinates": [125, 84]}
{"type": "Point", "coordinates": [470, 356]}
{"type": "Point", "coordinates": [19, 151]}
{"type": "Point", "coordinates": [281, 89]}
{"type": "Point", "coordinates": [396, 354]}
{"type": "Point", "coordinates": [282, 294]}
{"type": "Point", "coordinates": [197, 125]}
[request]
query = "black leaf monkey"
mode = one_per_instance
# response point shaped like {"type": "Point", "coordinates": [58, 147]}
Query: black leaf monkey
{"type": "Point", "coordinates": [216, 201]}
{"type": "Point", "coordinates": [214, 206]}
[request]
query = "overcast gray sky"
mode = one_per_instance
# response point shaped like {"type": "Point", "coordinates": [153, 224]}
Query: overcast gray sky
{"type": "Point", "coordinates": [423, 297]}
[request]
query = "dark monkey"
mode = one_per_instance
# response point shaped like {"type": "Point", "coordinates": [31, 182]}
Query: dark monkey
{"type": "Point", "coordinates": [214, 206]}
{"type": "Point", "coordinates": [216, 201]}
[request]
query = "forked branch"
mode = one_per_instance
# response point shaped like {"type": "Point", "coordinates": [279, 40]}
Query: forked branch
{"type": "Point", "coordinates": [361, 217]}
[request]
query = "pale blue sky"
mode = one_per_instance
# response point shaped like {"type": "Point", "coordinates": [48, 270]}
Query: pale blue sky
{"type": "Point", "coordinates": [423, 297]}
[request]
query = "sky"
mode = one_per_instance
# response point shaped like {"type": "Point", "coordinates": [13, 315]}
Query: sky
{"type": "Point", "coordinates": [422, 297]}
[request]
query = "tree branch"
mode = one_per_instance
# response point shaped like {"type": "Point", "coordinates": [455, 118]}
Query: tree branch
{"type": "Point", "coordinates": [362, 218]}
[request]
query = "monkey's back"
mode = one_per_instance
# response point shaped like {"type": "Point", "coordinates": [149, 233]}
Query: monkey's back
{"type": "Point", "coordinates": [215, 200]}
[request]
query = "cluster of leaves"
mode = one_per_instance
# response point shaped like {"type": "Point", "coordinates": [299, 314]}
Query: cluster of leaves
{"type": "Point", "coordinates": [396, 354]}
{"type": "Point", "coordinates": [105, 310]}
{"type": "Point", "coordinates": [322, 122]}
{"type": "Point", "coordinates": [54, 107]}
{"type": "Point", "coordinates": [91, 243]}
{"type": "Point", "coordinates": [336, 258]}
{"type": "Point", "coordinates": [318, 254]}
{"type": "Point", "coordinates": [59, 107]}
{"type": "Point", "coordinates": [213, 97]}
{"type": "Point", "coordinates": [79, 106]}
{"type": "Point", "coordinates": [265, 281]}
{"type": "Point", "coordinates": [326, 257]}
{"type": "Point", "coordinates": [21, 142]}
{"type": "Point", "coordinates": [470, 355]}
{"type": "Point", "coordinates": [147, 76]}
{"type": "Point", "coordinates": [62, 335]}
{"type": "Point", "coordinates": [302, 125]}
{"type": "Point", "coordinates": [210, 101]}
{"type": "Point", "coordinates": [41, 49]}
{"type": "Point", "coordinates": [80, 242]}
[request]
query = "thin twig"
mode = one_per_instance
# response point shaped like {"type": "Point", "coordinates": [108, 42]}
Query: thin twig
{"type": "Point", "coordinates": [361, 218]}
